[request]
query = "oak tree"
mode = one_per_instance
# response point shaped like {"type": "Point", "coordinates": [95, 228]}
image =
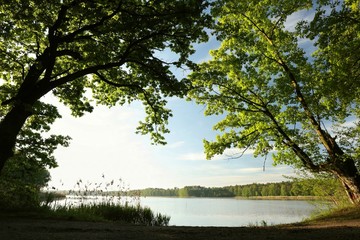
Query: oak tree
{"type": "Point", "coordinates": [80, 51]}
{"type": "Point", "coordinates": [288, 90]}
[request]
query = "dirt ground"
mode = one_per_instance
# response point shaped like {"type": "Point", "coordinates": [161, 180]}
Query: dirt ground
{"type": "Point", "coordinates": [40, 229]}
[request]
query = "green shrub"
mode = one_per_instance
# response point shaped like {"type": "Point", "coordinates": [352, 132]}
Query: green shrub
{"type": "Point", "coordinates": [14, 195]}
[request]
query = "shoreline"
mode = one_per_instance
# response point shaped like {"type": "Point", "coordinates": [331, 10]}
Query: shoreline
{"type": "Point", "coordinates": [44, 229]}
{"type": "Point", "coordinates": [299, 198]}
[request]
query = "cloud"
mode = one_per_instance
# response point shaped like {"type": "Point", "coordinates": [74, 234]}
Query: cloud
{"type": "Point", "coordinates": [196, 156]}
{"type": "Point", "coordinates": [228, 154]}
{"type": "Point", "coordinates": [294, 18]}
{"type": "Point", "coordinates": [249, 170]}
{"type": "Point", "coordinates": [174, 145]}
{"type": "Point", "coordinates": [105, 142]}
{"type": "Point", "coordinates": [350, 123]}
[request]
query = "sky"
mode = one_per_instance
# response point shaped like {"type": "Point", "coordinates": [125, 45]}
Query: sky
{"type": "Point", "coordinates": [104, 146]}
{"type": "Point", "coordinates": [104, 143]}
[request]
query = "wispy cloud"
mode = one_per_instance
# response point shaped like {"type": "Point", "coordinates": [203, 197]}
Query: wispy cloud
{"type": "Point", "coordinates": [174, 145]}
{"type": "Point", "coordinates": [228, 154]}
{"type": "Point", "coordinates": [350, 123]}
{"type": "Point", "coordinates": [294, 18]}
{"type": "Point", "coordinates": [196, 156]}
{"type": "Point", "coordinates": [249, 170]}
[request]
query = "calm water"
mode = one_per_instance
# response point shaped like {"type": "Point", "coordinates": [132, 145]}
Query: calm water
{"type": "Point", "coordinates": [229, 212]}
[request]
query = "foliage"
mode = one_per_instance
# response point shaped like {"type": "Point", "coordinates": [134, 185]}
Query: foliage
{"type": "Point", "coordinates": [321, 185]}
{"type": "Point", "coordinates": [277, 97]}
{"type": "Point", "coordinates": [20, 184]}
{"type": "Point", "coordinates": [34, 143]}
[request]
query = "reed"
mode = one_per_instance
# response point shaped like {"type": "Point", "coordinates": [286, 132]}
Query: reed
{"type": "Point", "coordinates": [105, 201]}
{"type": "Point", "coordinates": [107, 211]}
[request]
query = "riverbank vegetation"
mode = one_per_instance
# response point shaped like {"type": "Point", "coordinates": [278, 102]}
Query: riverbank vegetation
{"type": "Point", "coordinates": [299, 188]}
{"type": "Point", "coordinates": [100, 212]}
{"type": "Point", "coordinates": [107, 211]}
{"type": "Point", "coordinates": [30, 198]}
{"type": "Point", "coordinates": [335, 214]}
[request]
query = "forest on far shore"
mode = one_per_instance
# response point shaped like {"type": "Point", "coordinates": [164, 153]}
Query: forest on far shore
{"type": "Point", "coordinates": [309, 187]}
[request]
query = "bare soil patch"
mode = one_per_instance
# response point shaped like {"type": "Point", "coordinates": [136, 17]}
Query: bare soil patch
{"type": "Point", "coordinates": [15, 228]}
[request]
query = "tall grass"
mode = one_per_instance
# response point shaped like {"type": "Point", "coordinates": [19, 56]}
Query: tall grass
{"type": "Point", "coordinates": [106, 201]}
{"type": "Point", "coordinates": [348, 212]}
{"type": "Point", "coordinates": [106, 211]}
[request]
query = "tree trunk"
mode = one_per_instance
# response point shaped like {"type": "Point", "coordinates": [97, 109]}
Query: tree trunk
{"type": "Point", "coordinates": [349, 176]}
{"type": "Point", "coordinates": [10, 127]}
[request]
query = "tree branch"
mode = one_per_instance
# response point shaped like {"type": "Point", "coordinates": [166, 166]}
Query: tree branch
{"type": "Point", "coordinates": [81, 73]}
{"type": "Point", "coordinates": [102, 78]}
{"type": "Point", "coordinates": [305, 159]}
{"type": "Point", "coordinates": [244, 99]}
{"type": "Point", "coordinates": [248, 145]}
{"type": "Point", "coordinates": [325, 137]}
{"type": "Point", "coordinates": [67, 52]}
{"type": "Point", "coordinates": [59, 74]}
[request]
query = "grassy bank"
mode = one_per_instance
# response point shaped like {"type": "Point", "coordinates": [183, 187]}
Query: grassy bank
{"type": "Point", "coordinates": [335, 215]}
{"type": "Point", "coordinates": [305, 198]}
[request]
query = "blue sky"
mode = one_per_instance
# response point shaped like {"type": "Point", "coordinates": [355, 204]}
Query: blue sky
{"type": "Point", "coordinates": [104, 143]}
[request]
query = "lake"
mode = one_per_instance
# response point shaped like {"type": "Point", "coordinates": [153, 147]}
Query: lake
{"type": "Point", "coordinates": [229, 212]}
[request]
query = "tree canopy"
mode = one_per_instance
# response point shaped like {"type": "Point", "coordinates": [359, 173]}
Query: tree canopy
{"type": "Point", "coordinates": [91, 52]}
{"type": "Point", "coordinates": [277, 97]}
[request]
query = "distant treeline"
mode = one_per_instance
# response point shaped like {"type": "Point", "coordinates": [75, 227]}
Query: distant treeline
{"type": "Point", "coordinates": [256, 189]}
